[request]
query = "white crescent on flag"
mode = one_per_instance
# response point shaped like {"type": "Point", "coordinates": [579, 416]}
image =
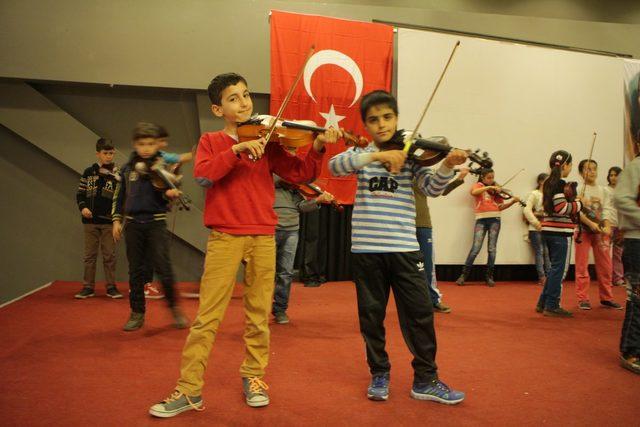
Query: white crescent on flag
{"type": "Point", "coordinates": [329, 56]}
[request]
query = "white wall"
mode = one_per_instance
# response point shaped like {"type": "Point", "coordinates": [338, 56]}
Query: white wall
{"type": "Point", "coordinates": [519, 103]}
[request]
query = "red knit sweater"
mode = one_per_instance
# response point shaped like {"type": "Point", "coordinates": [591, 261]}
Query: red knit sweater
{"type": "Point", "coordinates": [240, 192]}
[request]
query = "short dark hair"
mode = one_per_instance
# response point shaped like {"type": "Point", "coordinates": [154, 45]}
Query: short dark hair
{"type": "Point", "coordinates": [104, 144]}
{"type": "Point", "coordinates": [163, 132]}
{"type": "Point", "coordinates": [220, 83]}
{"type": "Point", "coordinates": [146, 130]}
{"type": "Point", "coordinates": [616, 169]}
{"type": "Point", "coordinates": [377, 97]}
{"type": "Point", "coordinates": [484, 172]}
{"type": "Point", "coordinates": [584, 162]}
{"type": "Point", "coordinates": [541, 177]}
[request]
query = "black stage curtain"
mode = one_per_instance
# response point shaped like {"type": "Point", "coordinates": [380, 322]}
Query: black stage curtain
{"type": "Point", "coordinates": [328, 252]}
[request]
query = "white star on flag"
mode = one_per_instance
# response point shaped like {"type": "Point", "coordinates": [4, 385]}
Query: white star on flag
{"type": "Point", "coordinates": [332, 119]}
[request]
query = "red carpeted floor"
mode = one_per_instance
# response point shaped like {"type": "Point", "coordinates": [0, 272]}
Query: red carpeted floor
{"type": "Point", "coordinates": [66, 362]}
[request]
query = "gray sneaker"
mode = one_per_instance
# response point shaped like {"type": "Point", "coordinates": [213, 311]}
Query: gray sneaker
{"type": "Point", "coordinates": [281, 317]}
{"type": "Point", "coordinates": [86, 292]}
{"type": "Point", "coordinates": [176, 404]}
{"type": "Point", "coordinates": [135, 322]}
{"type": "Point", "coordinates": [255, 392]}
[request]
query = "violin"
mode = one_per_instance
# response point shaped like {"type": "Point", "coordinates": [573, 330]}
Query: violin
{"type": "Point", "coordinates": [109, 171]}
{"type": "Point", "coordinates": [311, 190]}
{"type": "Point", "coordinates": [432, 150]}
{"type": "Point", "coordinates": [571, 192]}
{"type": "Point", "coordinates": [163, 179]}
{"type": "Point", "coordinates": [504, 193]}
{"type": "Point", "coordinates": [288, 132]}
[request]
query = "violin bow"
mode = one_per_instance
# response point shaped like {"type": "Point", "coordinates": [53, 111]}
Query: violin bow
{"type": "Point", "coordinates": [511, 179]}
{"type": "Point", "coordinates": [290, 93]}
{"type": "Point", "coordinates": [584, 188]}
{"type": "Point", "coordinates": [593, 143]}
{"type": "Point", "coordinates": [407, 143]}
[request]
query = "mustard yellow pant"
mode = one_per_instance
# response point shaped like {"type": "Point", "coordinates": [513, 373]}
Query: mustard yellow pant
{"type": "Point", "coordinates": [224, 254]}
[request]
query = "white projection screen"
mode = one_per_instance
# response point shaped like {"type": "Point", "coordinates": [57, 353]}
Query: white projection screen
{"type": "Point", "coordinates": [519, 103]}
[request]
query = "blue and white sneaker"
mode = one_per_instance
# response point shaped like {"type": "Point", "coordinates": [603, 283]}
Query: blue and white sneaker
{"type": "Point", "coordinates": [437, 391]}
{"type": "Point", "coordinates": [379, 387]}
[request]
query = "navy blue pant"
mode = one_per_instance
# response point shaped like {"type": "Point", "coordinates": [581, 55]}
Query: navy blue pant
{"type": "Point", "coordinates": [148, 244]}
{"type": "Point", "coordinates": [559, 254]}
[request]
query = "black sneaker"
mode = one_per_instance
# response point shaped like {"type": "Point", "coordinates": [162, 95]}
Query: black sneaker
{"type": "Point", "coordinates": [281, 318]}
{"type": "Point", "coordinates": [135, 322]}
{"type": "Point", "coordinates": [86, 292]}
{"type": "Point", "coordinates": [584, 305]}
{"type": "Point", "coordinates": [611, 304]}
{"type": "Point", "coordinates": [112, 292]}
{"type": "Point", "coordinates": [312, 284]}
{"type": "Point", "coordinates": [539, 308]}
{"type": "Point", "coordinates": [441, 308]}
{"type": "Point", "coordinates": [557, 312]}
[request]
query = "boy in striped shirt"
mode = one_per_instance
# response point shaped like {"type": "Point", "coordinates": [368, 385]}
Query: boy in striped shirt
{"type": "Point", "coordinates": [385, 251]}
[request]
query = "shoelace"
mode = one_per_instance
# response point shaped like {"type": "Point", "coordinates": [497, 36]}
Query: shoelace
{"type": "Point", "coordinates": [256, 385]}
{"type": "Point", "coordinates": [176, 395]}
{"type": "Point", "coordinates": [379, 382]}
{"type": "Point", "coordinates": [441, 386]}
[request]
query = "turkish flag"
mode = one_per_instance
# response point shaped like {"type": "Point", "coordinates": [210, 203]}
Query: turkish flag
{"type": "Point", "coordinates": [350, 59]}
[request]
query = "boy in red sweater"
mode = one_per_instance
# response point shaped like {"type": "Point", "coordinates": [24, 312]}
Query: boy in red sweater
{"type": "Point", "coordinates": [239, 212]}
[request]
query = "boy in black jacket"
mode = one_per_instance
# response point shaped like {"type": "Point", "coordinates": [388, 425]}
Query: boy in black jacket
{"type": "Point", "coordinates": [94, 197]}
{"type": "Point", "coordinates": [145, 209]}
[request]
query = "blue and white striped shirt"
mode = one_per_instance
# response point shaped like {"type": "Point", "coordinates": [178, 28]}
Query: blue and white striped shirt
{"type": "Point", "coordinates": [384, 213]}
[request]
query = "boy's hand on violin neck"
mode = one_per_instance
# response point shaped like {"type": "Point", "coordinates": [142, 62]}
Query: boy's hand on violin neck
{"type": "Point", "coordinates": [330, 136]}
{"type": "Point", "coordinates": [455, 157]}
{"type": "Point", "coordinates": [254, 147]}
{"type": "Point", "coordinates": [393, 160]}
{"type": "Point", "coordinates": [172, 193]}
{"type": "Point", "coordinates": [86, 213]}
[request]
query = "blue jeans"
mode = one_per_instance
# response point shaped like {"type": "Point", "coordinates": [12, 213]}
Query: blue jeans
{"type": "Point", "coordinates": [286, 245]}
{"type": "Point", "coordinates": [630, 337]}
{"type": "Point", "coordinates": [543, 263]}
{"type": "Point", "coordinates": [425, 240]}
{"type": "Point", "coordinates": [482, 227]}
{"type": "Point", "coordinates": [560, 255]}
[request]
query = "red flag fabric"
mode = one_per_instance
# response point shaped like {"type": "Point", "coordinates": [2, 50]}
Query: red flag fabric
{"type": "Point", "coordinates": [350, 59]}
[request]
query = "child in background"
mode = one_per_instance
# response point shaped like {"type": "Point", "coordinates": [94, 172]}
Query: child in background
{"type": "Point", "coordinates": [557, 231]}
{"type": "Point", "coordinates": [594, 237]}
{"type": "Point", "coordinates": [288, 206]}
{"type": "Point", "coordinates": [534, 212]}
{"type": "Point", "coordinates": [488, 206]}
{"type": "Point", "coordinates": [617, 240]}
{"type": "Point", "coordinates": [94, 198]}
{"type": "Point", "coordinates": [144, 208]}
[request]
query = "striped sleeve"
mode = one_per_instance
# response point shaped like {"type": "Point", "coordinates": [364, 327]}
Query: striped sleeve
{"type": "Point", "coordinates": [349, 161]}
{"type": "Point", "coordinates": [563, 207]}
{"type": "Point", "coordinates": [432, 184]}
